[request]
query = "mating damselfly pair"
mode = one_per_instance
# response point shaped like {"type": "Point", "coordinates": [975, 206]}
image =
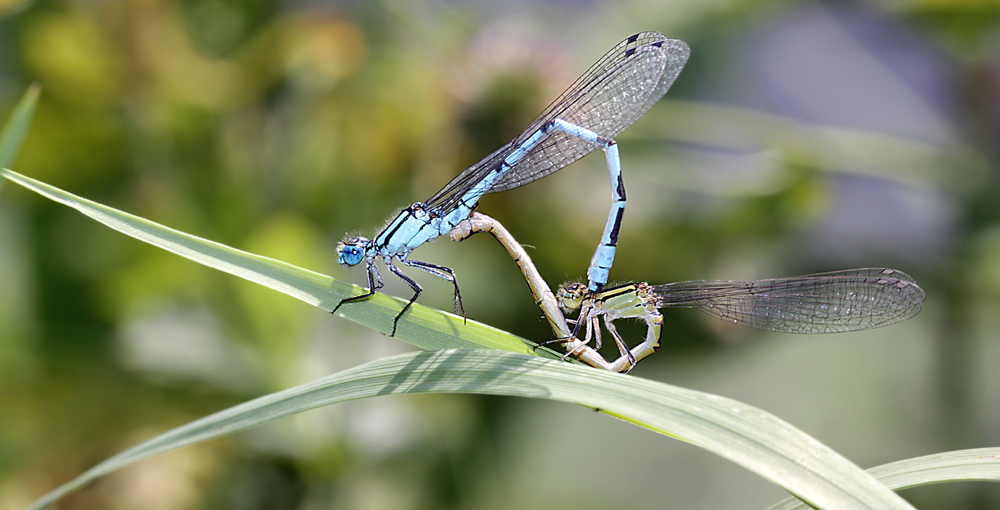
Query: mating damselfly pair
{"type": "Point", "coordinates": [623, 85]}
{"type": "Point", "coordinates": [831, 302]}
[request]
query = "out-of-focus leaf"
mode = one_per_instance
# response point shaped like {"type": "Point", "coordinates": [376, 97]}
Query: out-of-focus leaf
{"type": "Point", "coordinates": [977, 465]}
{"type": "Point", "coordinates": [871, 153]}
{"type": "Point", "coordinates": [9, 7]}
{"type": "Point", "coordinates": [743, 434]}
{"type": "Point", "coordinates": [17, 126]}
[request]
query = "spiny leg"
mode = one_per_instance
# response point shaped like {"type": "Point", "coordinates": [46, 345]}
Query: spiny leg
{"type": "Point", "coordinates": [445, 273]}
{"type": "Point", "coordinates": [555, 340]}
{"type": "Point", "coordinates": [580, 319]}
{"type": "Point", "coordinates": [622, 349]}
{"type": "Point", "coordinates": [374, 283]}
{"type": "Point", "coordinates": [608, 323]}
{"type": "Point", "coordinates": [654, 328]}
{"type": "Point", "coordinates": [580, 347]}
{"type": "Point", "coordinates": [587, 336]}
{"type": "Point", "coordinates": [417, 289]}
{"type": "Point", "coordinates": [582, 316]}
{"type": "Point", "coordinates": [595, 326]}
{"type": "Point", "coordinates": [559, 340]}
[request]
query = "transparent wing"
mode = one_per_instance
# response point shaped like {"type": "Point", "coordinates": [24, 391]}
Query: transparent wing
{"type": "Point", "coordinates": [838, 301]}
{"type": "Point", "coordinates": [622, 86]}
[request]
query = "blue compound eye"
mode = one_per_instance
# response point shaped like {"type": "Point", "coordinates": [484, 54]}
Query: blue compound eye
{"type": "Point", "coordinates": [350, 256]}
{"type": "Point", "coordinates": [351, 253]}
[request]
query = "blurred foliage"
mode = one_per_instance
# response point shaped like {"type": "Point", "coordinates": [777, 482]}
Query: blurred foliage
{"type": "Point", "coordinates": [276, 127]}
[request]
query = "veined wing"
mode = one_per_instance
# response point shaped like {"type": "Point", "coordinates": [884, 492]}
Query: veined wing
{"type": "Point", "coordinates": [622, 86]}
{"type": "Point", "coordinates": [838, 301]}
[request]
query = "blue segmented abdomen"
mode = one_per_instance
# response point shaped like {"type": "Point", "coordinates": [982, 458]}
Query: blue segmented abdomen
{"type": "Point", "coordinates": [415, 226]}
{"type": "Point", "coordinates": [469, 200]}
{"type": "Point", "coordinates": [463, 209]}
{"type": "Point", "coordinates": [604, 256]}
{"type": "Point", "coordinates": [579, 132]}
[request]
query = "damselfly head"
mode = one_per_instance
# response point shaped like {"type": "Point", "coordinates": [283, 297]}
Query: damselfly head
{"type": "Point", "coordinates": [570, 296]}
{"type": "Point", "coordinates": [351, 251]}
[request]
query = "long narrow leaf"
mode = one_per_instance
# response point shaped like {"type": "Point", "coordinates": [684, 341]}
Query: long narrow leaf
{"type": "Point", "coordinates": [423, 327]}
{"type": "Point", "coordinates": [17, 127]}
{"type": "Point", "coordinates": [977, 465]}
{"type": "Point", "coordinates": [743, 434]}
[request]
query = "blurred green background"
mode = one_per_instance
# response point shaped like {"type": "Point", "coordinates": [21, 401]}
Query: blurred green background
{"type": "Point", "coordinates": [803, 136]}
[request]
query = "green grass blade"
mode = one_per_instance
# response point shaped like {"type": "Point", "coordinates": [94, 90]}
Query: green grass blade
{"type": "Point", "coordinates": [748, 436]}
{"type": "Point", "coordinates": [977, 465]}
{"type": "Point", "coordinates": [17, 127]}
{"type": "Point", "coordinates": [423, 327]}
{"type": "Point", "coordinates": [980, 464]}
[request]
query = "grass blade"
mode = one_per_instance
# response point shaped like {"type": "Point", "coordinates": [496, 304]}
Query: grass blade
{"type": "Point", "coordinates": [743, 434]}
{"type": "Point", "coordinates": [977, 465]}
{"type": "Point", "coordinates": [423, 327]}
